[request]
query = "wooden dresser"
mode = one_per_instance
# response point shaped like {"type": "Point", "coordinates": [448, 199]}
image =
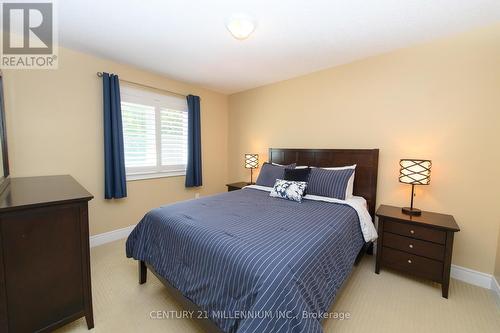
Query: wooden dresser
{"type": "Point", "coordinates": [44, 254]}
{"type": "Point", "coordinates": [419, 245]}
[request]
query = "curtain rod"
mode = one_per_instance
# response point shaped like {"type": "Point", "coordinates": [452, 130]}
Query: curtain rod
{"type": "Point", "coordinates": [99, 74]}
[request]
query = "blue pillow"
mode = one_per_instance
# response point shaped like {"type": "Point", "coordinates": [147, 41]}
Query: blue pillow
{"type": "Point", "coordinates": [288, 189]}
{"type": "Point", "coordinates": [329, 183]}
{"type": "Point", "coordinates": [270, 172]}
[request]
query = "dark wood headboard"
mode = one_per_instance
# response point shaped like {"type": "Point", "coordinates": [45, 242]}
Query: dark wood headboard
{"type": "Point", "coordinates": [365, 181]}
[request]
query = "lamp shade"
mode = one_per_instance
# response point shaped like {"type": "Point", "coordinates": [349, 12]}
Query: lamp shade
{"type": "Point", "coordinates": [415, 172]}
{"type": "Point", "coordinates": [251, 161]}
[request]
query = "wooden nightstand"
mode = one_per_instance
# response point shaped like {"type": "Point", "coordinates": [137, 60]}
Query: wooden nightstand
{"type": "Point", "coordinates": [236, 186]}
{"type": "Point", "coordinates": [419, 245]}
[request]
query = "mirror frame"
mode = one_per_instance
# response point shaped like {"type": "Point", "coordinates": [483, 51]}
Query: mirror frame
{"type": "Point", "coordinates": [4, 181]}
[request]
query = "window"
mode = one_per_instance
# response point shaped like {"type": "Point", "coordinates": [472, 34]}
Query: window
{"type": "Point", "coordinates": [154, 133]}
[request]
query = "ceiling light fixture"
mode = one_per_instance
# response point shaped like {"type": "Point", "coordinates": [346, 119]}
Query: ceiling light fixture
{"type": "Point", "coordinates": [240, 26]}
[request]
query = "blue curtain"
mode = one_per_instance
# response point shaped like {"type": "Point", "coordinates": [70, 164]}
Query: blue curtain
{"type": "Point", "coordinates": [193, 171]}
{"type": "Point", "coordinates": [115, 185]}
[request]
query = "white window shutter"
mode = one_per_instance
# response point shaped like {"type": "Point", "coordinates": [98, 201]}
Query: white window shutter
{"type": "Point", "coordinates": [155, 134]}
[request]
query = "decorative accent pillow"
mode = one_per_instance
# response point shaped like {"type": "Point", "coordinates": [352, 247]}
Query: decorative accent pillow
{"type": "Point", "coordinates": [299, 175]}
{"type": "Point", "coordinates": [270, 172]}
{"type": "Point", "coordinates": [287, 189]}
{"type": "Point", "coordinates": [329, 183]}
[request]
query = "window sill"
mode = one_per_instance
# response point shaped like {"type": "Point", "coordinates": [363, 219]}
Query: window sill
{"type": "Point", "coordinates": [142, 176]}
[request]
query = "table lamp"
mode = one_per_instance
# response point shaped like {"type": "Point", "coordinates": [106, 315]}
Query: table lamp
{"type": "Point", "coordinates": [414, 172]}
{"type": "Point", "coordinates": [251, 162]}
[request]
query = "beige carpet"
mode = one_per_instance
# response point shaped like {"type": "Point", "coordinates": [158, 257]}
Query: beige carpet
{"type": "Point", "coordinates": [388, 302]}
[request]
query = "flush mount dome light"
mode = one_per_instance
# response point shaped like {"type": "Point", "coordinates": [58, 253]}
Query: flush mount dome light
{"type": "Point", "coordinates": [240, 26]}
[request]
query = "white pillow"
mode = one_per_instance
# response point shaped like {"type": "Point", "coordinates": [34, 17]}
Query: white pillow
{"type": "Point", "coordinates": [296, 167]}
{"type": "Point", "coordinates": [350, 184]}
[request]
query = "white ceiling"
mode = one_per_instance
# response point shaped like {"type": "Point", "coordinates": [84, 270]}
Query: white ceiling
{"type": "Point", "coordinates": [187, 40]}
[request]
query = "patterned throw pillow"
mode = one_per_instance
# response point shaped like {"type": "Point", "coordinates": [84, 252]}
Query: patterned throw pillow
{"type": "Point", "coordinates": [288, 189]}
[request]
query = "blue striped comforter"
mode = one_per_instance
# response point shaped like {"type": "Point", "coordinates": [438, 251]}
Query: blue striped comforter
{"type": "Point", "coordinates": [252, 262]}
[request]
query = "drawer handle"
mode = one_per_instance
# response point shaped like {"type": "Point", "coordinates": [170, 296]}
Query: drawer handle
{"type": "Point", "coordinates": [412, 231]}
{"type": "Point", "coordinates": [409, 261]}
{"type": "Point", "coordinates": [410, 246]}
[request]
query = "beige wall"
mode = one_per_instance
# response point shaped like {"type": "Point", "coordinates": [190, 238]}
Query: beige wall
{"type": "Point", "coordinates": [439, 101]}
{"type": "Point", "coordinates": [54, 124]}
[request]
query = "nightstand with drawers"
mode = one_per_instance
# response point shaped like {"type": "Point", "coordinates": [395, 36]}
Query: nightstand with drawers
{"type": "Point", "coordinates": [236, 186]}
{"type": "Point", "coordinates": [418, 245]}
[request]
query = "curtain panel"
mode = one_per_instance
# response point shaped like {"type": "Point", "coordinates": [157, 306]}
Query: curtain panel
{"type": "Point", "coordinates": [115, 185]}
{"type": "Point", "coordinates": [194, 166]}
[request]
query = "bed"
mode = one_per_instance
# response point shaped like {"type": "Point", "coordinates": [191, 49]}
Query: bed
{"type": "Point", "coordinates": [245, 262]}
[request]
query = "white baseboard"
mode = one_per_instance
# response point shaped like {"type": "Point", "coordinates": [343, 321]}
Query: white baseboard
{"type": "Point", "coordinates": [110, 236]}
{"type": "Point", "coordinates": [471, 276]}
{"type": "Point", "coordinates": [476, 278]}
{"type": "Point", "coordinates": [495, 288]}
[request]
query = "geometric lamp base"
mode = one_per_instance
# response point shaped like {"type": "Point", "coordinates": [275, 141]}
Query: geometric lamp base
{"type": "Point", "coordinates": [411, 211]}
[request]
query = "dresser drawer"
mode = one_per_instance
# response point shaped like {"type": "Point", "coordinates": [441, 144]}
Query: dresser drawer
{"type": "Point", "coordinates": [406, 262]}
{"type": "Point", "coordinates": [414, 231]}
{"type": "Point", "coordinates": [415, 246]}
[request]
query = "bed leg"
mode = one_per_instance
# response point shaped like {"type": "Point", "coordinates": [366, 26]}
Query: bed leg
{"type": "Point", "coordinates": [369, 250]}
{"type": "Point", "coordinates": [143, 272]}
